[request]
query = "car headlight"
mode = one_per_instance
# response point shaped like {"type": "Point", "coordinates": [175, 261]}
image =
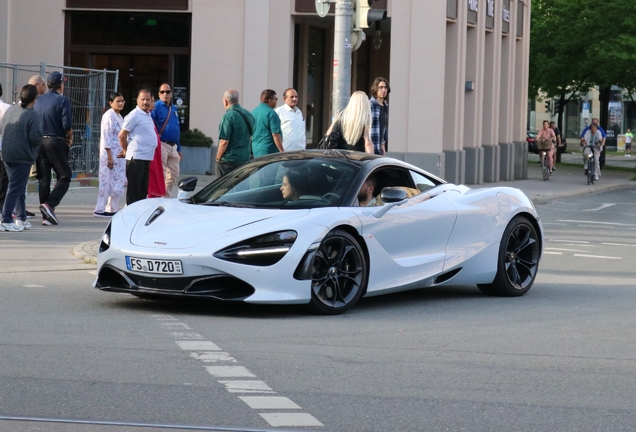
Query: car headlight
{"type": "Point", "coordinates": [264, 250]}
{"type": "Point", "coordinates": [105, 243]}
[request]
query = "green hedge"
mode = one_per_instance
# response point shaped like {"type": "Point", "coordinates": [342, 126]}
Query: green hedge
{"type": "Point", "coordinates": [195, 138]}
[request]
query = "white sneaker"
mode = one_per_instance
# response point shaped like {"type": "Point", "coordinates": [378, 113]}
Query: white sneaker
{"type": "Point", "coordinates": [12, 227]}
{"type": "Point", "coordinates": [596, 178]}
{"type": "Point", "coordinates": [23, 224]}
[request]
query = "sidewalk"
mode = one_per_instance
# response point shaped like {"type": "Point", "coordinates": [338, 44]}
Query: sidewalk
{"type": "Point", "coordinates": [567, 181]}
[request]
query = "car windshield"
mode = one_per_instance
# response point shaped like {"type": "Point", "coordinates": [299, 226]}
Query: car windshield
{"type": "Point", "coordinates": [284, 184]}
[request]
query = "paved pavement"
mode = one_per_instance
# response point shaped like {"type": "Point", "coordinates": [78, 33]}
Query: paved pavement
{"type": "Point", "coordinates": [567, 181]}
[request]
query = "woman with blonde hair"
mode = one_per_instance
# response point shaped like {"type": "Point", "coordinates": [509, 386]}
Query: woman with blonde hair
{"type": "Point", "coordinates": [350, 130]}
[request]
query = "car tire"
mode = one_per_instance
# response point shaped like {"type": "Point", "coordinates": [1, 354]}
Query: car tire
{"type": "Point", "coordinates": [339, 275]}
{"type": "Point", "coordinates": [517, 261]}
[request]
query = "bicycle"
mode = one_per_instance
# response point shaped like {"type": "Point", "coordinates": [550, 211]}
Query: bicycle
{"type": "Point", "coordinates": [545, 168]}
{"type": "Point", "coordinates": [591, 164]}
{"type": "Point", "coordinates": [543, 158]}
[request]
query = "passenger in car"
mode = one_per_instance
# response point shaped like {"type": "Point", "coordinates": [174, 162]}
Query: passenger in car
{"type": "Point", "coordinates": [292, 186]}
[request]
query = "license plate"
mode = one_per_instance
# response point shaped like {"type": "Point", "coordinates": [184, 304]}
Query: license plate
{"type": "Point", "coordinates": [154, 266]}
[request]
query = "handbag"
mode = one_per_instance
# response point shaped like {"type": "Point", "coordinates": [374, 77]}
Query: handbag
{"type": "Point", "coordinates": [323, 144]}
{"type": "Point", "coordinates": [335, 140]}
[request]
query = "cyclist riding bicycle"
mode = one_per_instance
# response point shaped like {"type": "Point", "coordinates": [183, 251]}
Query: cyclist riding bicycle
{"type": "Point", "coordinates": [545, 138]}
{"type": "Point", "coordinates": [593, 137]}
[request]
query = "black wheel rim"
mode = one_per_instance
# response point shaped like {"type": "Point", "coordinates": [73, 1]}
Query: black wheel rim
{"type": "Point", "coordinates": [522, 256]}
{"type": "Point", "coordinates": [338, 272]}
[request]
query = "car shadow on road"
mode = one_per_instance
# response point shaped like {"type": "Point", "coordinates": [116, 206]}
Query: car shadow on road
{"type": "Point", "coordinates": [438, 297]}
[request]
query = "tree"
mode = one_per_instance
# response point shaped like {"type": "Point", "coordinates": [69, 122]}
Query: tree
{"type": "Point", "coordinates": [577, 44]}
{"type": "Point", "coordinates": [559, 40]}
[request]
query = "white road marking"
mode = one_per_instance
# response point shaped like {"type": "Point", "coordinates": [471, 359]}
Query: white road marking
{"type": "Point", "coordinates": [246, 386]}
{"type": "Point", "coordinates": [568, 241]}
{"type": "Point", "coordinates": [190, 341]}
{"type": "Point", "coordinates": [567, 250]}
{"type": "Point", "coordinates": [190, 345]}
{"type": "Point", "coordinates": [93, 272]}
{"type": "Point", "coordinates": [604, 206]}
{"type": "Point", "coordinates": [162, 317]}
{"type": "Point", "coordinates": [619, 244]}
{"type": "Point", "coordinates": [290, 419]}
{"type": "Point", "coordinates": [213, 357]}
{"type": "Point", "coordinates": [598, 256]}
{"type": "Point", "coordinates": [229, 372]}
{"type": "Point", "coordinates": [269, 402]}
{"type": "Point", "coordinates": [187, 336]}
{"type": "Point", "coordinates": [33, 286]}
{"type": "Point", "coordinates": [176, 326]}
{"type": "Point", "coordinates": [552, 253]}
{"type": "Point", "coordinates": [596, 223]}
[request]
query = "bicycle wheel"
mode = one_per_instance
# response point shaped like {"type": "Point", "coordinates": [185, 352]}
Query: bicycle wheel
{"type": "Point", "coordinates": [546, 170]}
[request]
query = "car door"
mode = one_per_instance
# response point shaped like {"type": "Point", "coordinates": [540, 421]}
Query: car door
{"type": "Point", "coordinates": [408, 243]}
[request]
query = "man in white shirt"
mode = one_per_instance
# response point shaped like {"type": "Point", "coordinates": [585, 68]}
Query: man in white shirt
{"type": "Point", "coordinates": [138, 140]}
{"type": "Point", "coordinates": [291, 122]}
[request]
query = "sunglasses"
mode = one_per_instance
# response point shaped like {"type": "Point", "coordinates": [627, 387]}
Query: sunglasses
{"type": "Point", "coordinates": [165, 91]}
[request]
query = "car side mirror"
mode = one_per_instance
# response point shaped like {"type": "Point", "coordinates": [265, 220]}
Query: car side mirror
{"type": "Point", "coordinates": [185, 186]}
{"type": "Point", "coordinates": [393, 194]}
{"type": "Point", "coordinates": [188, 184]}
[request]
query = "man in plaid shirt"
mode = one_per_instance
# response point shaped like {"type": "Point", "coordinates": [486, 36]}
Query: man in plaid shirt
{"type": "Point", "coordinates": [379, 115]}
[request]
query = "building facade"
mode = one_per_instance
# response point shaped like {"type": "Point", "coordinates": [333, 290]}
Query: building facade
{"type": "Point", "coordinates": [458, 69]}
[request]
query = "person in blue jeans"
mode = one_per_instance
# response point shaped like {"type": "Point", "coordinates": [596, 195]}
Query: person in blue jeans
{"type": "Point", "coordinates": [20, 131]}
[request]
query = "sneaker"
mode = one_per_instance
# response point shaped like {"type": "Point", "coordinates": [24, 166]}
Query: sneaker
{"type": "Point", "coordinates": [30, 215]}
{"type": "Point", "coordinates": [46, 223]}
{"type": "Point", "coordinates": [48, 214]}
{"type": "Point", "coordinates": [23, 224]}
{"type": "Point", "coordinates": [103, 214]}
{"type": "Point", "coordinates": [553, 168]}
{"type": "Point", "coordinates": [11, 227]}
{"type": "Point", "coordinates": [596, 178]}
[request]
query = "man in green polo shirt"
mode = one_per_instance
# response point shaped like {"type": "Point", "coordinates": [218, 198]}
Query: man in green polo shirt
{"type": "Point", "coordinates": [235, 130]}
{"type": "Point", "coordinates": [268, 136]}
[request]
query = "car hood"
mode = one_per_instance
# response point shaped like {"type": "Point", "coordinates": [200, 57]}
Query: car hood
{"type": "Point", "coordinates": [181, 225]}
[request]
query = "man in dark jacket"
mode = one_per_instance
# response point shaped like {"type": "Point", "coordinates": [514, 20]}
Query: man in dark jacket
{"type": "Point", "coordinates": [54, 112]}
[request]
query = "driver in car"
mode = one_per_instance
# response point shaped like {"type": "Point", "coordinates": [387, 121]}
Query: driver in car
{"type": "Point", "coordinates": [365, 196]}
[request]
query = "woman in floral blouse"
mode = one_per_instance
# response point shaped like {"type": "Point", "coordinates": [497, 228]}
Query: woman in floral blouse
{"type": "Point", "coordinates": [112, 170]}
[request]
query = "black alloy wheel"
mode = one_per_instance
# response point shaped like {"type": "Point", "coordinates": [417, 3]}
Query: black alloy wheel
{"type": "Point", "coordinates": [518, 260]}
{"type": "Point", "coordinates": [340, 274]}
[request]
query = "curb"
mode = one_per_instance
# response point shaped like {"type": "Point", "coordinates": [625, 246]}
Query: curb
{"type": "Point", "coordinates": [87, 252]}
{"type": "Point", "coordinates": [578, 192]}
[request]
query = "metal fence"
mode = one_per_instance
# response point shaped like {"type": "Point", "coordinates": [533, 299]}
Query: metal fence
{"type": "Point", "coordinates": [87, 90]}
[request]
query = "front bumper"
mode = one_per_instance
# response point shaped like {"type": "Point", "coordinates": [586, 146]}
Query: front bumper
{"type": "Point", "coordinates": [218, 287]}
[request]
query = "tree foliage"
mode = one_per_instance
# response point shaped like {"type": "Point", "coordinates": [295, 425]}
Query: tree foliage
{"type": "Point", "coordinates": [577, 44]}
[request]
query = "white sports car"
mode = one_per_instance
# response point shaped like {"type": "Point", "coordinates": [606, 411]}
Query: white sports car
{"type": "Point", "coordinates": [289, 228]}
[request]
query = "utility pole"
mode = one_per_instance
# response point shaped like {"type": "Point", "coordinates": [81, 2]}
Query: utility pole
{"type": "Point", "coordinates": [342, 48]}
{"type": "Point", "coordinates": [348, 36]}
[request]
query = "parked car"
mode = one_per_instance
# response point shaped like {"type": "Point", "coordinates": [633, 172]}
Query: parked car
{"type": "Point", "coordinates": [241, 238]}
{"type": "Point", "coordinates": [531, 138]}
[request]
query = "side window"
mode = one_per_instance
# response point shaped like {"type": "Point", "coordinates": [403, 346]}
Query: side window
{"type": "Point", "coordinates": [422, 183]}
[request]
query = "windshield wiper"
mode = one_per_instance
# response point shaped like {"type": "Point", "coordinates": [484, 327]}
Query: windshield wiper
{"type": "Point", "coordinates": [228, 204]}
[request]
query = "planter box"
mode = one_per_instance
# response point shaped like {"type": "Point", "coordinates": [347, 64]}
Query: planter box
{"type": "Point", "coordinates": [195, 160]}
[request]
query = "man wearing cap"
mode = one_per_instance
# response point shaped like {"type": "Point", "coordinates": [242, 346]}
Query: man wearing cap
{"type": "Point", "coordinates": [54, 112]}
